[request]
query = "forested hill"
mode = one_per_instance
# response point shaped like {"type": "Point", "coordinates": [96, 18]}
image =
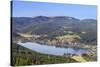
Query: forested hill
{"type": "Point", "coordinates": [44, 25]}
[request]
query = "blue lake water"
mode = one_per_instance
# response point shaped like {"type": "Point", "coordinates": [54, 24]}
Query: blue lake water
{"type": "Point", "coordinates": [52, 50]}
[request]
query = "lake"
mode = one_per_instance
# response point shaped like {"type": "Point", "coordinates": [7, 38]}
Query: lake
{"type": "Point", "coordinates": [52, 50]}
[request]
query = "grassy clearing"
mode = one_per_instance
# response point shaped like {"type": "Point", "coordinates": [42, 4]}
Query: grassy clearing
{"type": "Point", "coordinates": [79, 58]}
{"type": "Point", "coordinates": [69, 36]}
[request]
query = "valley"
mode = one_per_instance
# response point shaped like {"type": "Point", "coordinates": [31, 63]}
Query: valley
{"type": "Point", "coordinates": [59, 32]}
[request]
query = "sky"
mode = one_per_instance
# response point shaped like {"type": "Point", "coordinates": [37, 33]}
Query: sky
{"type": "Point", "coordinates": [32, 9]}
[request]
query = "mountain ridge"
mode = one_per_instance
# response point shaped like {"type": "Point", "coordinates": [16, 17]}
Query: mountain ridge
{"type": "Point", "coordinates": [44, 23]}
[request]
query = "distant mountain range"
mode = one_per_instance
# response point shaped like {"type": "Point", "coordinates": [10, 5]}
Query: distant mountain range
{"type": "Point", "coordinates": [45, 25]}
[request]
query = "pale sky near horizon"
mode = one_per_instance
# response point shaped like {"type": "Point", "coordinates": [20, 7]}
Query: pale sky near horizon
{"type": "Point", "coordinates": [31, 9]}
